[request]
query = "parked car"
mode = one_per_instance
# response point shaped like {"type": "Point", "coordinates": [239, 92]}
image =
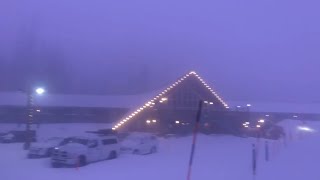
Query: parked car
{"type": "Point", "coordinates": [17, 136]}
{"type": "Point", "coordinates": [45, 148]}
{"type": "Point", "coordinates": [79, 151]}
{"type": "Point", "coordinates": [140, 143]}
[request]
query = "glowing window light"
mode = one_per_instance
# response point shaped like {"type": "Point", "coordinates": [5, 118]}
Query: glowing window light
{"type": "Point", "coordinates": [211, 103]}
{"type": "Point", "coordinates": [248, 105]}
{"type": "Point", "coordinates": [154, 121]}
{"type": "Point", "coordinates": [295, 116]}
{"type": "Point", "coordinates": [38, 110]}
{"type": "Point", "coordinates": [247, 122]}
{"type": "Point", "coordinates": [138, 110]}
{"type": "Point", "coordinates": [121, 122]}
{"type": "Point", "coordinates": [177, 122]}
{"type": "Point", "coordinates": [206, 102]}
{"type": "Point", "coordinates": [261, 121]}
{"type": "Point", "coordinates": [130, 116]}
{"type": "Point", "coordinates": [258, 126]}
{"type": "Point", "coordinates": [267, 115]}
{"type": "Point", "coordinates": [148, 121]}
{"type": "Point", "coordinates": [141, 108]}
{"type": "Point", "coordinates": [116, 126]}
{"type": "Point", "coordinates": [113, 128]}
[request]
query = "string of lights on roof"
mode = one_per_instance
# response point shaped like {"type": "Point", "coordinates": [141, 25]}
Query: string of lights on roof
{"type": "Point", "coordinates": [161, 99]}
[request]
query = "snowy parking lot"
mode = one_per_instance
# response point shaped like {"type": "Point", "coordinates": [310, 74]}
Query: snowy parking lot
{"type": "Point", "coordinates": [217, 157]}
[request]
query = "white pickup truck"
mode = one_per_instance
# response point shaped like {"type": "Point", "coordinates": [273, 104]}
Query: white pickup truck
{"type": "Point", "coordinates": [79, 151]}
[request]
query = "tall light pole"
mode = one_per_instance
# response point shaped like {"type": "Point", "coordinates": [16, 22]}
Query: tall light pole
{"type": "Point", "coordinates": [30, 114]}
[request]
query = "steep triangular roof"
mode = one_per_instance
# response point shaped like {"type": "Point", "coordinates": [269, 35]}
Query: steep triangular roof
{"type": "Point", "coordinates": [164, 92]}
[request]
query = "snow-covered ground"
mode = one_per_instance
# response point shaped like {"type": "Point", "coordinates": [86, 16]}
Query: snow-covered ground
{"type": "Point", "coordinates": [216, 157]}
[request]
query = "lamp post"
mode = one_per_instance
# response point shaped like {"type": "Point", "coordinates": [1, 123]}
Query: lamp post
{"type": "Point", "coordinates": [30, 114]}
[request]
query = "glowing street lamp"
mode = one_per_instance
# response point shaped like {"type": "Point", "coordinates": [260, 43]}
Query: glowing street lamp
{"type": "Point", "coordinates": [40, 91]}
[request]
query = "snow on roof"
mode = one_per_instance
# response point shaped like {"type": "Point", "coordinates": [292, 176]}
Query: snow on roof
{"type": "Point", "coordinates": [55, 100]}
{"type": "Point", "coordinates": [312, 108]}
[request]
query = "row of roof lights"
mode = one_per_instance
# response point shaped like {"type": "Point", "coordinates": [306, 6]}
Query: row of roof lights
{"type": "Point", "coordinates": [152, 102]}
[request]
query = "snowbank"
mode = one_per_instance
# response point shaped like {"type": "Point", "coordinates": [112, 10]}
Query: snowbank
{"type": "Point", "coordinates": [216, 157]}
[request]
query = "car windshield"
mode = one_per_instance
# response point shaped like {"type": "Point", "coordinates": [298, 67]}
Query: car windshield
{"type": "Point", "coordinates": [75, 140]}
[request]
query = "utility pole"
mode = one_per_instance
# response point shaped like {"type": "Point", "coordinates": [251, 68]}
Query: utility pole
{"type": "Point", "coordinates": [30, 115]}
{"type": "Point", "coordinates": [194, 140]}
{"type": "Point", "coordinates": [29, 120]}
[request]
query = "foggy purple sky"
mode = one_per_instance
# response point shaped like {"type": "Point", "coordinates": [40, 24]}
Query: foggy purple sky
{"type": "Point", "coordinates": [249, 50]}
